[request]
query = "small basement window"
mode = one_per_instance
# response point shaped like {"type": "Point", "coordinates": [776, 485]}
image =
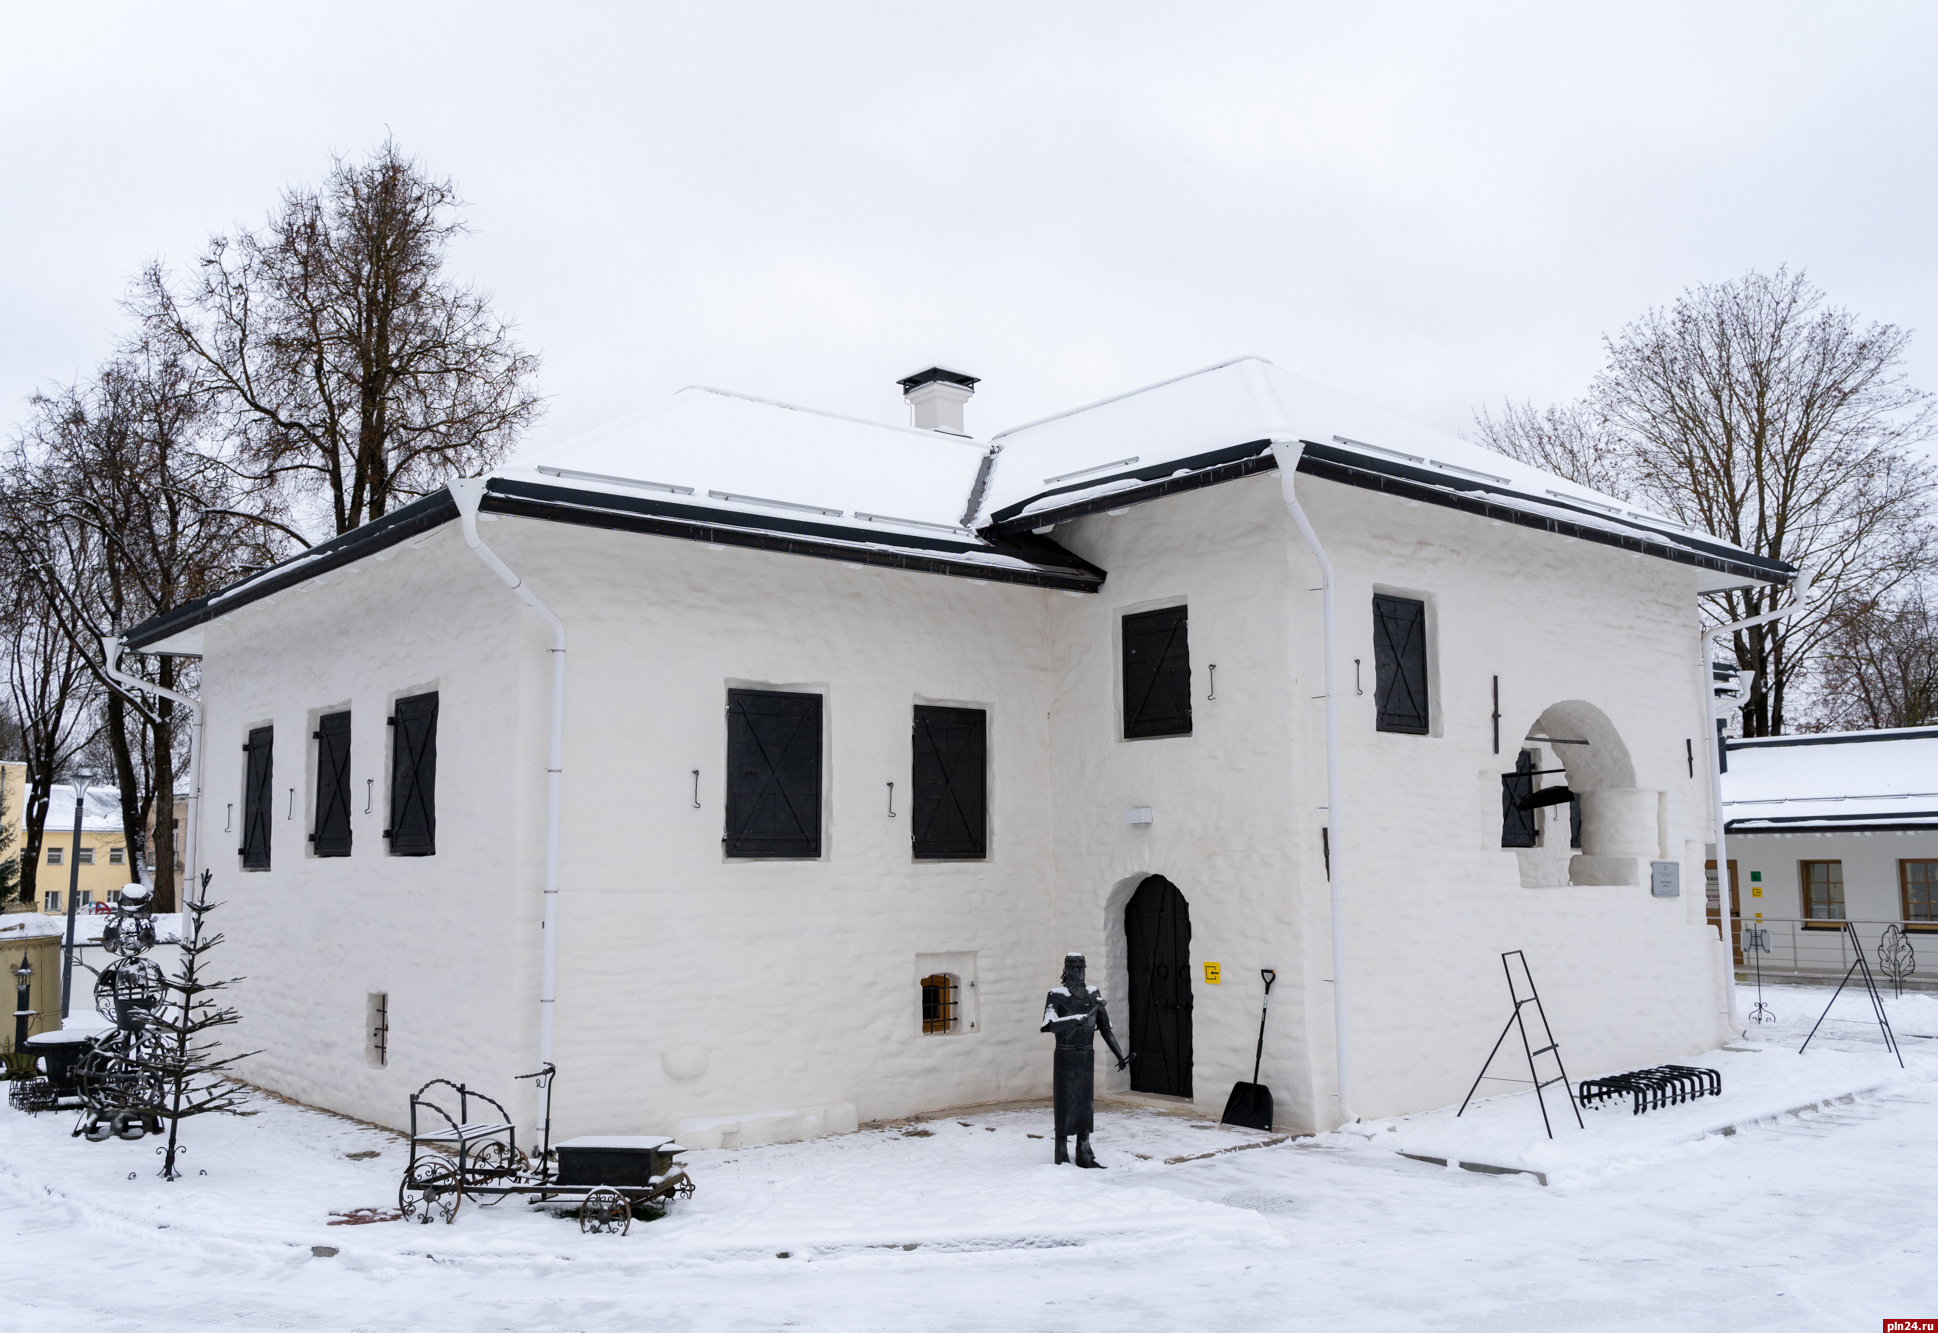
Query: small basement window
{"type": "Point", "coordinates": [940, 1005]}
{"type": "Point", "coordinates": [376, 1029]}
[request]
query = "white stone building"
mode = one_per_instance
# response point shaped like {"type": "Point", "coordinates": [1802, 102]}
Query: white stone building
{"type": "Point", "coordinates": [848, 707]}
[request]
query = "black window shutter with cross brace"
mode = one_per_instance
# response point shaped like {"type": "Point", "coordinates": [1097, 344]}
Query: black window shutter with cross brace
{"type": "Point", "coordinates": [257, 797]}
{"type": "Point", "coordinates": [413, 777]}
{"type": "Point", "coordinates": [773, 774]}
{"type": "Point", "coordinates": [332, 737]}
{"type": "Point", "coordinates": [1157, 674]}
{"type": "Point", "coordinates": [949, 811]}
{"type": "Point", "coordinates": [1400, 657]}
{"type": "Point", "coordinates": [1519, 828]}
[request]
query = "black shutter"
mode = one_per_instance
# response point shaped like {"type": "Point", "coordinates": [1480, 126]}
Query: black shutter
{"type": "Point", "coordinates": [332, 836]}
{"type": "Point", "coordinates": [1574, 820]}
{"type": "Point", "coordinates": [413, 777]}
{"type": "Point", "coordinates": [773, 774]}
{"type": "Point", "coordinates": [1157, 674]}
{"type": "Point", "coordinates": [1400, 655]}
{"type": "Point", "coordinates": [257, 798]}
{"type": "Point", "coordinates": [949, 812]}
{"type": "Point", "coordinates": [1519, 828]}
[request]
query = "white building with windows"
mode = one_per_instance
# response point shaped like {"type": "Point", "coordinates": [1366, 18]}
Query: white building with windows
{"type": "Point", "coordinates": [1834, 828]}
{"type": "Point", "coordinates": [861, 727]}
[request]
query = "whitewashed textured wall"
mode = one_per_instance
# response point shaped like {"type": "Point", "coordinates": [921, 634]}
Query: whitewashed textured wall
{"type": "Point", "coordinates": [694, 987]}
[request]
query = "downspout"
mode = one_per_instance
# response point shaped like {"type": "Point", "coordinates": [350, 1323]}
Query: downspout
{"type": "Point", "coordinates": [1288, 453]}
{"type": "Point", "coordinates": [111, 654]}
{"type": "Point", "coordinates": [1799, 593]}
{"type": "Point", "coordinates": [467, 493]}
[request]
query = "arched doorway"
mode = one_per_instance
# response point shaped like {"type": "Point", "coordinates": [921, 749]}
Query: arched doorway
{"type": "Point", "coordinates": [1157, 933]}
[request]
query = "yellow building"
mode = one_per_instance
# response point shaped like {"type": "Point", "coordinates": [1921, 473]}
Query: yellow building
{"type": "Point", "coordinates": [103, 852]}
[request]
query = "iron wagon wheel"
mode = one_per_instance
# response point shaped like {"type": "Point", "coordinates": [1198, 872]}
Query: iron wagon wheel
{"type": "Point", "coordinates": [496, 1163]}
{"type": "Point", "coordinates": [430, 1188]}
{"type": "Point", "coordinates": [685, 1188]}
{"type": "Point", "coordinates": [604, 1212]}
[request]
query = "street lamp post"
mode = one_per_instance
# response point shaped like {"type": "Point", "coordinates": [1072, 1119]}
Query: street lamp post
{"type": "Point", "coordinates": [82, 781]}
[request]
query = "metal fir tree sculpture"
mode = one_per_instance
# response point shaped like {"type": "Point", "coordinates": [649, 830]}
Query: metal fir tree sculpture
{"type": "Point", "coordinates": [187, 1069]}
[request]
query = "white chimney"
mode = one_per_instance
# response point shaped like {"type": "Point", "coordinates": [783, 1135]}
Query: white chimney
{"type": "Point", "coordinates": [935, 398]}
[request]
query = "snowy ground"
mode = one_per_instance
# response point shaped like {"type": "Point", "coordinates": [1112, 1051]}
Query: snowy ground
{"type": "Point", "coordinates": [1819, 1220]}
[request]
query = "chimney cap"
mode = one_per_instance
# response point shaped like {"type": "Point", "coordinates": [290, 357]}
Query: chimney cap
{"type": "Point", "coordinates": [935, 374]}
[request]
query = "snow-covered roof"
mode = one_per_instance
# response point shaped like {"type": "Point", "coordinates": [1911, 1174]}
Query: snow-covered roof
{"type": "Point", "coordinates": [100, 814]}
{"type": "Point", "coordinates": [30, 925]}
{"type": "Point", "coordinates": [730, 469]}
{"type": "Point", "coordinates": [765, 459]}
{"type": "Point", "coordinates": [1217, 423]}
{"type": "Point", "coordinates": [1852, 780]}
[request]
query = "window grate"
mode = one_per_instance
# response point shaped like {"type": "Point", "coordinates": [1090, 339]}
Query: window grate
{"type": "Point", "coordinates": [940, 1007]}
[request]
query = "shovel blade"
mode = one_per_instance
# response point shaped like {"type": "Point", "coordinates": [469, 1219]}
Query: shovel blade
{"type": "Point", "coordinates": [1250, 1105]}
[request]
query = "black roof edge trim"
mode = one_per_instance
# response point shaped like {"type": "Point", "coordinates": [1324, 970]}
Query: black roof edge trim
{"type": "Point", "coordinates": [1779, 742]}
{"type": "Point", "coordinates": [1081, 576]}
{"type": "Point", "coordinates": [1829, 825]}
{"type": "Point", "coordinates": [1331, 464]}
{"type": "Point", "coordinates": [1012, 515]}
{"type": "Point", "coordinates": [730, 518]}
{"type": "Point", "coordinates": [400, 525]}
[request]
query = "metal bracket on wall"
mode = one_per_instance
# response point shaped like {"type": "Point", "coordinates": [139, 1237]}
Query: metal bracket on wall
{"type": "Point", "coordinates": [1356, 688]}
{"type": "Point", "coordinates": [696, 789]}
{"type": "Point", "coordinates": [291, 813]}
{"type": "Point", "coordinates": [1213, 694]}
{"type": "Point", "coordinates": [369, 792]}
{"type": "Point", "coordinates": [229, 819]}
{"type": "Point", "coordinates": [891, 800]}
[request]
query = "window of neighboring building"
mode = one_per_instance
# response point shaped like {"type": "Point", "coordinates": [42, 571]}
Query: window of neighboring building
{"type": "Point", "coordinates": [54, 855]}
{"type": "Point", "coordinates": [114, 895]}
{"type": "Point", "coordinates": [1157, 674]}
{"type": "Point", "coordinates": [258, 798]}
{"type": "Point", "coordinates": [413, 775]}
{"type": "Point", "coordinates": [117, 856]}
{"type": "Point", "coordinates": [949, 810]}
{"type": "Point", "coordinates": [85, 856]}
{"type": "Point", "coordinates": [51, 902]}
{"type": "Point", "coordinates": [939, 1004]}
{"type": "Point", "coordinates": [87, 898]}
{"type": "Point", "coordinates": [1823, 890]}
{"type": "Point", "coordinates": [1918, 884]}
{"type": "Point", "coordinates": [1400, 665]}
{"type": "Point", "coordinates": [773, 774]}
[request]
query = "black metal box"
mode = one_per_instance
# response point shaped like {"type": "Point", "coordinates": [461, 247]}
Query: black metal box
{"type": "Point", "coordinates": [621, 1160]}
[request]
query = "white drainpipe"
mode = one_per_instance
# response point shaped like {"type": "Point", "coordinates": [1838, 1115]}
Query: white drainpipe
{"type": "Point", "coordinates": [111, 655]}
{"type": "Point", "coordinates": [1288, 453]}
{"type": "Point", "coordinates": [468, 492]}
{"type": "Point", "coordinates": [1799, 593]}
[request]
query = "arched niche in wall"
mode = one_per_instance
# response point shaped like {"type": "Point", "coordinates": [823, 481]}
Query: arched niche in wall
{"type": "Point", "coordinates": [1618, 821]}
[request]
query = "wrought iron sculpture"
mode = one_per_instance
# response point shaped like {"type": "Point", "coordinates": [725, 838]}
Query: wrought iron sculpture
{"type": "Point", "coordinates": [1652, 1089]}
{"type": "Point", "coordinates": [1756, 943]}
{"type": "Point", "coordinates": [1859, 964]}
{"type": "Point", "coordinates": [465, 1146]}
{"type": "Point", "coordinates": [1075, 1012]}
{"type": "Point", "coordinates": [1549, 1046]}
{"type": "Point", "coordinates": [1896, 958]}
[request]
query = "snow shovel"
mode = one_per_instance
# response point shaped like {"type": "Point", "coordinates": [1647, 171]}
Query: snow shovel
{"type": "Point", "coordinates": [1250, 1104]}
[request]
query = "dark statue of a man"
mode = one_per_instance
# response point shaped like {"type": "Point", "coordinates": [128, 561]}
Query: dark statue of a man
{"type": "Point", "coordinates": [1075, 1013]}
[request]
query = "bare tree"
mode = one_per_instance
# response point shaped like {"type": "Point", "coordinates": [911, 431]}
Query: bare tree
{"type": "Point", "coordinates": [1752, 410]}
{"type": "Point", "coordinates": [1568, 439]}
{"type": "Point", "coordinates": [52, 696]}
{"type": "Point", "coordinates": [348, 364]}
{"type": "Point", "coordinates": [1878, 666]}
{"type": "Point", "coordinates": [121, 507]}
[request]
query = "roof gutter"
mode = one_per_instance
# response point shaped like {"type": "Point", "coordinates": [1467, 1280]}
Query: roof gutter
{"type": "Point", "coordinates": [1287, 452]}
{"type": "Point", "coordinates": [467, 493]}
{"type": "Point", "coordinates": [1799, 593]}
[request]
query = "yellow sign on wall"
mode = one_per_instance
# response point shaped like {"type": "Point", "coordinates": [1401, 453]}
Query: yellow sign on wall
{"type": "Point", "coordinates": [1211, 974]}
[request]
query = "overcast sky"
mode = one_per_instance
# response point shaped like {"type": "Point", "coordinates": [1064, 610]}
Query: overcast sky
{"type": "Point", "coordinates": [1430, 207]}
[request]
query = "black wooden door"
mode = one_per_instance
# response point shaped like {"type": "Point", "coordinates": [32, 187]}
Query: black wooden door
{"type": "Point", "coordinates": [1157, 927]}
